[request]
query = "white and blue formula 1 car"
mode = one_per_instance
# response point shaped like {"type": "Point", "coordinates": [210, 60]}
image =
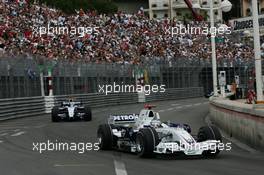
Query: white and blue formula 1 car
{"type": "Point", "coordinates": [145, 135]}
{"type": "Point", "coordinates": [70, 110]}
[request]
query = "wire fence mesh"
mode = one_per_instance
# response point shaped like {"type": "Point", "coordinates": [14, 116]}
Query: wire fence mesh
{"type": "Point", "coordinates": [20, 77]}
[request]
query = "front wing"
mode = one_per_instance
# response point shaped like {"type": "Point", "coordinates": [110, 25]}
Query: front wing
{"type": "Point", "coordinates": [191, 149]}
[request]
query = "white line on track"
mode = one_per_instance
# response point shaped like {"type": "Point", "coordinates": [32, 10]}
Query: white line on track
{"type": "Point", "coordinates": [120, 168]}
{"type": "Point", "coordinates": [170, 109]}
{"type": "Point", "coordinates": [39, 126]}
{"type": "Point", "coordinates": [13, 127]}
{"type": "Point", "coordinates": [1, 141]}
{"type": "Point", "coordinates": [76, 165]}
{"type": "Point", "coordinates": [3, 134]}
{"type": "Point", "coordinates": [18, 134]}
{"type": "Point", "coordinates": [179, 107]}
{"type": "Point", "coordinates": [175, 104]}
{"type": "Point", "coordinates": [197, 104]}
{"type": "Point", "coordinates": [161, 111]}
{"type": "Point", "coordinates": [188, 106]}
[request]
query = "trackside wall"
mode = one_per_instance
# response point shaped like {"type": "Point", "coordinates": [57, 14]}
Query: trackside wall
{"type": "Point", "coordinates": [35, 106]}
{"type": "Point", "coordinates": [239, 120]}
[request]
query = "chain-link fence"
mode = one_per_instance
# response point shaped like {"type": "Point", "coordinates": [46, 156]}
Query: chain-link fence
{"type": "Point", "coordinates": [20, 77]}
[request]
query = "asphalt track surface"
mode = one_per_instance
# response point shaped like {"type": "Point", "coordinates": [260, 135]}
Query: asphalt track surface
{"type": "Point", "coordinates": [18, 158]}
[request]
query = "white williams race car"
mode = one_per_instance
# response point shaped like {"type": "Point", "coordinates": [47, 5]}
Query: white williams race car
{"type": "Point", "coordinates": [145, 134]}
{"type": "Point", "coordinates": [71, 111]}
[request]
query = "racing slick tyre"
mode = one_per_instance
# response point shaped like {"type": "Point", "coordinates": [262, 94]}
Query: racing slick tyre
{"type": "Point", "coordinates": [146, 141]}
{"type": "Point", "coordinates": [88, 114]}
{"type": "Point", "coordinates": [209, 133]}
{"type": "Point", "coordinates": [54, 114]}
{"type": "Point", "coordinates": [105, 137]}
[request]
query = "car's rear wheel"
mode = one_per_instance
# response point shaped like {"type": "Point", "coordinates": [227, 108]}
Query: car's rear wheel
{"type": "Point", "coordinates": [209, 133]}
{"type": "Point", "coordinates": [88, 113]}
{"type": "Point", "coordinates": [146, 140]}
{"type": "Point", "coordinates": [105, 137]}
{"type": "Point", "coordinates": [54, 114]}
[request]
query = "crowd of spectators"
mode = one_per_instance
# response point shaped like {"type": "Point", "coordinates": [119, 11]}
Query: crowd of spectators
{"type": "Point", "coordinates": [119, 38]}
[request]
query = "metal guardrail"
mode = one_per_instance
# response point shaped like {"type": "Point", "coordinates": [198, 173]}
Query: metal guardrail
{"type": "Point", "coordinates": [101, 100]}
{"type": "Point", "coordinates": [21, 107]}
{"type": "Point", "coordinates": [35, 106]}
{"type": "Point", "coordinates": [94, 100]}
{"type": "Point", "coordinates": [22, 77]}
{"type": "Point", "coordinates": [176, 93]}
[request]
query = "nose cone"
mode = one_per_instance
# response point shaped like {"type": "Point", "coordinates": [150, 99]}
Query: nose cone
{"type": "Point", "coordinates": [71, 112]}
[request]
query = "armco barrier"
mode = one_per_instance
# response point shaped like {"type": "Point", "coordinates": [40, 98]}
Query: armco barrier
{"type": "Point", "coordinates": [102, 100]}
{"type": "Point", "coordinates": [239, 120]}
{"type": "Point", "coordinates": [175, 94]}
{"type": "Point", "coordinates": [94, 99]}
{"type": "Point", "coordinates": [21, 107]}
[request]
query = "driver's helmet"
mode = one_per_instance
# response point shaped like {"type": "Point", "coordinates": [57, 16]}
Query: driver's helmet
{"type": "Point", "coordinates": [71, 99]}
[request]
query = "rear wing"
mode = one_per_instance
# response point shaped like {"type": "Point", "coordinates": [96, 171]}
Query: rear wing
{"type": "Point", "coordinates": [122, 119]}
{"type": "Point", "coordinates": [66, 103]}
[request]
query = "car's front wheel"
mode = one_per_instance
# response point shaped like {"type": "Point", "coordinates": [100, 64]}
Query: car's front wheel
{"type": "Point", "coordinates": [146, 141]}
{"type": "Point", "coordinates": [88, 114]}
{"type": "Point", "coordinates": [209, 133]}
{"type": "Point", "coordinates": [54, 114]}
{"type": "Point", "coordinates": [105, 137]}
